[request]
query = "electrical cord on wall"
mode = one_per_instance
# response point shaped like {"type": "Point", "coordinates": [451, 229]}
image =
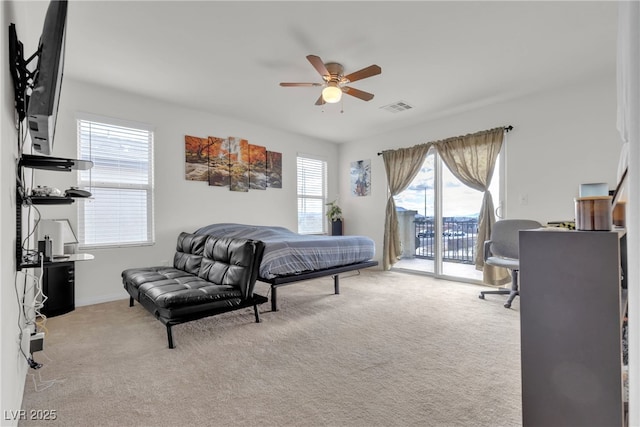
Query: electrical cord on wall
{"type": "Point", "coordinates": [28, 318]}
{"type": "Point", "coordinates": [29, 315]}
{"type": "Point", "coordinates": [30, 312]}
{"type": "Point", "coordinates": [38, 319]}
{"type": "Point", "coordinates": [23, 314]}
{"type": "Point", "coordinates": [38, 302]}
{"type": "Point", "coordinates": [20, 314]}
{"type": "Point", "coordinates": [25, 191]}
{"type": "Point", "coordinates": [30, 254]}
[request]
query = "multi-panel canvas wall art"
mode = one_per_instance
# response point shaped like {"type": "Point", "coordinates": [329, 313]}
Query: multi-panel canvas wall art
{"type": "Point", "coordinates": [257, 167]}
{"type": "Point", "coordinates": [218, 162]}
{"type": "Point", "coordinates": [232, 162]}
{"type": "Point", "coordinates": [274, 169]}
{"type": "Point", "coordinates": [239, 163]}
{"type": "Point", "coordinates": [196, 151]}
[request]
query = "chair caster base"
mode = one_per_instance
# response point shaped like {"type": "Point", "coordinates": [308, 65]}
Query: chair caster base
{"type": "Point", "coordinates": [507, 305]}
{"type": "Point", "coordinates": [481, 296]}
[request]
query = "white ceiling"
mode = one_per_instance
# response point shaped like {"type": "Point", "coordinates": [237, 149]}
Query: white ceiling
{"type": "Point", "coordinates": [440, 57]}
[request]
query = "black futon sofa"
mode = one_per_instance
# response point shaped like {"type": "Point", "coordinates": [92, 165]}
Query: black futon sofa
{"type": "Point", "coordinates": [210, 275]}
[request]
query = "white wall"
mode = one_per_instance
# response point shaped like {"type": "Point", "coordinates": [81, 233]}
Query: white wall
{"type": "Point", "coordinates": [560, 139]}
{"type": "Point", "coordinates": [13, 366]}
{"type": "Point", "coordinates": [180, 205]}
{"type": "Point", "coordinates": [629, 86]}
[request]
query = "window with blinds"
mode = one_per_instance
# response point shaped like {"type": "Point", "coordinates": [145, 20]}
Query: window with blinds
{"type": "Point", "coordinates": [120, 213]}
{"type": "Point", "coordinates": [312, 195]}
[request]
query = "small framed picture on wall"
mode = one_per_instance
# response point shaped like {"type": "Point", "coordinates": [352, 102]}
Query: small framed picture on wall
{"type": "Point", "coordinates": [361, 177]}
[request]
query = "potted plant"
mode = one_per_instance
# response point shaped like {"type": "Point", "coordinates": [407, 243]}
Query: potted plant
{"type": "Point", "coordinates": [334, 213]}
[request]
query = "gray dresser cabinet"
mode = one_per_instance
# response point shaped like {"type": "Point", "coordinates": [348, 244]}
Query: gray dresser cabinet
{"type": "Point", "coordinates": [572, 305]}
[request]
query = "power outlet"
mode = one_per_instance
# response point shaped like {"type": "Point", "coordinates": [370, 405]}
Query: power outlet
{"type": "Point", "coordinates": [37, 342]}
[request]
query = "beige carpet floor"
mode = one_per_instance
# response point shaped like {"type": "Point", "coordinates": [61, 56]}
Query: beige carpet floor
{"type": "Point", "coordinates": [393, 349]}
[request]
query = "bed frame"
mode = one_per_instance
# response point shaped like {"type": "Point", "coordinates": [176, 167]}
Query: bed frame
{"type": "Point", "coordinates": [276, 282]}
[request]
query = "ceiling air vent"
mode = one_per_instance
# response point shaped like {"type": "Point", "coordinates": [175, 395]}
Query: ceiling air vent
{"type": "Point", "coordinates": [397, 107]}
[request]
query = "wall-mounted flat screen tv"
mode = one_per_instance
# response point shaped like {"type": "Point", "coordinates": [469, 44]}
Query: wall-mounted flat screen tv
{"type": "Point", "coordinates": [42, 106]}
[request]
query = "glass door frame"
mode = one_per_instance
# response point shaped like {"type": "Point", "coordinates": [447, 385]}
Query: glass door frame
{"type": "Point", "coordinates": [437, 214]}
{"type": "Point", "coordinates": [500, 208]}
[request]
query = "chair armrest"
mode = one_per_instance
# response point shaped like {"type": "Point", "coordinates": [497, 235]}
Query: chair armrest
{"type": "Point", "coordinates": [487, 249]}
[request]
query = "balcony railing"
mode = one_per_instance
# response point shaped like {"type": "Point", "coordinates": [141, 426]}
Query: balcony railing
{"type": "Point", "coordinates": [458, 240]}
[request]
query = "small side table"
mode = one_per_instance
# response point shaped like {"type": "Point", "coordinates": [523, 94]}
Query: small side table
{"type": "Point", "coordinates": [336, 228]}
{"type": "Point", "coordinates": [58, 284]}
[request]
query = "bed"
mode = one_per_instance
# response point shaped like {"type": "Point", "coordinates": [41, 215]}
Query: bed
{"type": "Point", "coordinates": [290, 257]}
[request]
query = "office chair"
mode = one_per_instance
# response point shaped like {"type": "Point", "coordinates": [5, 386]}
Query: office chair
{"type": "Point", "coordinates": [502, 251]}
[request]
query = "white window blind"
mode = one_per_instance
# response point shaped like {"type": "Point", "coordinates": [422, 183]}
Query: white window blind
{"type": "Point", "coordinates": [312, 195]}
{"type": "Point", "coordinates": [121, 181]}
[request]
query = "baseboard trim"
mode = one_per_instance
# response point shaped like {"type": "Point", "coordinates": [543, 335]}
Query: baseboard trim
{"type": "Point", "coordinates": [98, 300]}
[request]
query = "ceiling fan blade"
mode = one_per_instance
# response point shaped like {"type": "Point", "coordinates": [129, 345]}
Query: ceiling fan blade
{"type": "Point", "coordinates": [371, 70]}
{"type": "Point", "coordinates": [320, 101]}
{"type": "Point", "coordinates": [300, 84]}
{"type": "Point", "coordinates": [365, 96]}
{"type": "Point", "coordinates": [318, 65]}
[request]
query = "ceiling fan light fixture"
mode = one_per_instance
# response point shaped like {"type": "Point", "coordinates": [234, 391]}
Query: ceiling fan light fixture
{"type": "Point", "coordinates": [332, 93]}
{"type": "Point", "coordinates": [334, 81]}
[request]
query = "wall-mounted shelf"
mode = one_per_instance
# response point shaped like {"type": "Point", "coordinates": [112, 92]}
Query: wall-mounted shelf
{"type": "Point", "coordinates": [57, 260]}
{"type": "Point", "coordinates": [54, 163]}
{"type": "Point", "coordinates": [49, 200]}
{"type": "Point", "coordinates": [57, 164]}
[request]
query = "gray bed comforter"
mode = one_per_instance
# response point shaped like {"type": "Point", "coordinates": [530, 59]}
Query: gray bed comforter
{"type": "Point", "coordinates": [288, 253]}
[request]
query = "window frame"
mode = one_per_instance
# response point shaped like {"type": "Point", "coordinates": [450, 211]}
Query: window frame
{"type": "Point", "coordinates": [149, 187]}
{"type": "Point", "coordinates": [322, 197]}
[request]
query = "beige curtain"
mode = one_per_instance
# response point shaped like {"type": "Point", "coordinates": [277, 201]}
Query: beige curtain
{"type": "Point", "coordinates": [471, 159]}
{"type": "Point", "coordinates": [402, 166]}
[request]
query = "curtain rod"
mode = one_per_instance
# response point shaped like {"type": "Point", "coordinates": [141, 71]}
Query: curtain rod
{"type": "Point", "coordinates": [507, 128]}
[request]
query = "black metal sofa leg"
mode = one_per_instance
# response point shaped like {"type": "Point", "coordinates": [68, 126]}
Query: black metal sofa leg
{"type": "Point", "coordinates": [274, 298]}
{"type": "Point", "coordinates": [170, 337]}
{"type": "Point", "coordinates": [130, 301]}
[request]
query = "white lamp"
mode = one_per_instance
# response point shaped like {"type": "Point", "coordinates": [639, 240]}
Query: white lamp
{"type": "Point", "coordinates": [332, 93]}
{"type": "Point", "coordinates": [61, 234]}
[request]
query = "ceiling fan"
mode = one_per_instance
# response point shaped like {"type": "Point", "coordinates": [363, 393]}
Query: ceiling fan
{"type": "Point", "coordinates": [335, 82]}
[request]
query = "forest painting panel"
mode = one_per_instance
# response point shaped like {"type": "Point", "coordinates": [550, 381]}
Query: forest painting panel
{"type": "Point", "coordinates": [231, 162]}
{"type": "Point", "coordinates": [196, 152]}
{"type": "Point", "coordinates": [218, 162]}
{"type": "Point", "coordinates": [239, 163]}
{"type": "Point", "coordinates": [274, 169]}
{"type": "Point", "coordinates": [257, 167]}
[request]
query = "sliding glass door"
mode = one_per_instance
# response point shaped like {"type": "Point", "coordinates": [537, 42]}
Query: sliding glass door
{"type": "Point", "coordinates": [416, 219]}
{"type": "Point", "coordinates": [438, 219]}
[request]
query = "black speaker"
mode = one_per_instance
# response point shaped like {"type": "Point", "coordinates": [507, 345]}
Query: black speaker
{"type": "Point", "coordinates": [45, 247]}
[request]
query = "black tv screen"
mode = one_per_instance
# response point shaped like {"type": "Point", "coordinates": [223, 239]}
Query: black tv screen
{"type": "Point", "coordinates": [42, 107]}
